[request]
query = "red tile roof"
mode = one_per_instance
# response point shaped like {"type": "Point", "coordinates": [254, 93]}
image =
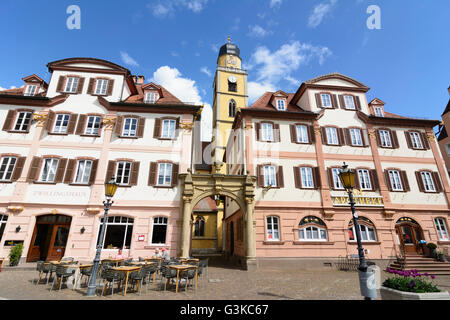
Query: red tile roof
{"type": "Point", "coordinates": [263, 103]}
{"type": "Point", "coordinates": [165, 96]}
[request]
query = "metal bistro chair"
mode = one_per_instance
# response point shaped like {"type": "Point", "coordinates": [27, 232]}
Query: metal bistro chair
{"type": "Point", "coordinates": [85, 272]}
{"type": "Point", "coordinates": [138, 277]}
{"type": "Point", "coordinates": [62, 273]}
{"type": "Point", "coordinates": [39, 270]}
{"type": "Point", "coordinates": [204, 264]}
{"type": "Point", "coordinates": [110, 277]}
{"type": "Point", "coordinates": [151, 270]}
{"type": "Point", "coordinates": [189, 276]}
{"type": "Point", "coordinates": [127, 262]}
{"type": "Point", "coordinates": [168, 274]}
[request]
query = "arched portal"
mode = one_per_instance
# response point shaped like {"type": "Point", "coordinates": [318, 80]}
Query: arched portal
{"type": "Point", "coordinates": [241, 189]}
{"type": "Point", "coordinates": [409, 235]}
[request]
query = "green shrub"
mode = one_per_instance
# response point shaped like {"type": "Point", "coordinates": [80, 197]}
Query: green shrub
{"type": "Point", "coordinates": [14, 254]}
{"type": "Point", "coordinates": [431, 245]}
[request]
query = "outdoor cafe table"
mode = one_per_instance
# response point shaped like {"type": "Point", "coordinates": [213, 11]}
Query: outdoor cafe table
{"type": "Point", "coordinates": [116, 261]}
{"type": "Point", "coordinates": [184, 260]}
{"type": "Point", "coordinates": [183, 267]}
{"type": "Point", "coordinates": [143, 263]}
{"type": "Point", "coordinates": [127, 270]}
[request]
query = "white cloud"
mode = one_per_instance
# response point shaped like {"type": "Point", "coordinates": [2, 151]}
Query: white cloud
{"type": "Point", "coordinates": [12, 87]}
{"type": "Point", "coordinates": [271, 68]}
{"type": "Point", "coordinates": [258, 31]}
{"type": "Point", "coordinates": [206, 71]}
{"type": "Point", "coordinates": [275, 3]}
{"type": "Point", "coordinates": [168, 7]}
{"type": "Point", "coordinates": [128, 60]}
{"type": "Point", "coordinates": [215, 47]}
{"type": "Point", "coordinates": [319, 12]}
{"type": "Point", "coordinates": [235, 26]}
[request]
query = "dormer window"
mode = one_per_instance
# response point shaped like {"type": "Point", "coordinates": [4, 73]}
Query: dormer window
{"type": "Point", "coordinates": [281, 104]}
{"type": "Point", "coordinates": [30, 90]}
{"type": "Point", "coordinates": [326, 100]}
{"type": "Point", "coordinates": [151, 97]}
{"type": "Point", "coordinates": [378, 111]}
{"type": "Point", "coordinates": [101, 87]}
{"type": "Point", "coordinates": [72, 84]}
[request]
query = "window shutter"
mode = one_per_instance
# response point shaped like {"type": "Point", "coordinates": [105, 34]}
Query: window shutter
{"type": "Point", "coordinates": [93, 172]}
{"type": "Point", "coordinates": [437, 182]}
{"type": "Point", "coordinates": [280, 178]}
{"type": "Point", "coordinates": [408, 139]}
{"type": "Point", "coordinates": [357, 102]}
{"type": "Point", "coordinates": [80, 85]}
{"type": "Point", "coordinates": [178, 123]}
{"type": "Point", "coordinates": [152, 174]}
{"type": "Point", "coordinates": [71, 167]}
{"type": "Point", "coordinates": [9, 120]}
{"type": "Point", "coordinates": [294, 138]}
{"type": "Point", "coordinates": [395, 144]}
{"type": "Point", "coordinates": [119, 125]}
{"type": "Point", "coordinates": [348, 138]}
{"type": "Point", "coordinates": [318, 100]}
{"type": "Point", "coordinates": [316, 176]}
{"type": "Point", "coordinates": [378, 138]}
{"type": "Point", "coordinates": [60, 171]}
{"type": "Point", "coordinates": [50, 120]}
{"type": "Point", "coordinates": [72, 123]}
{"type": "Point", "coordinates": [110, 87]}
{"type": "Point", "coordinates": [330, 179]}
{"type": "Point", "coordinates": [341, 136]}
{"type": "Point", "coordinates": [157, 129]}
{"type": "Point", "coordinates": [60, 86]}
{"type": "Point", "coordinates": [363, 137]}
{"type": "Point", "coordinates": [323, 131]}
{"type": "Point", "coordinates": [258, 131]}
{"type": "Point", "coordinates": [297, 178]}
{"type": "Point", "coordinates": [91, 85]}
{"type": "Point", "coordinates": [341, 101]}
{"type": "Point", "coordinates": [134, 173]}
{"type": "Point", "coordinates": [110, 170]}
{"type": "Point", "coordinates": [141, 127]}
{"type": "Point", "coordinates": [175, 171]}
{"type": "Point", "coordinates": [425, 142]}
{"type": "Point", "coordinates": [388, 180]}
{"type": "Point", "coordinates": [81, 124]}
{"type": "Point", "coordinates": [405, 181]}
{"type": "Point", "coordinates": [357, 184]}
{"type": "Point", "coordinates": [34, 168]}
{"type": "Point", "coordinates": [260, 176]}
{"type": "Point", "coordinates": [311, 135]}
{"type": "Point", "coordinates": [18, 168]}
{"type": "Point", "coordinates": [276, 133]}
{"type": "Point", "coordinates": [334, 101]}
{"type": "Point", "coordinates": [420, 181]}
{"type": "Point", "coordinates": [374, 180]}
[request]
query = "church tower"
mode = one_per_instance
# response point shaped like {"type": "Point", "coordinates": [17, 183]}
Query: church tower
{"type": "Point", "coordinates": [230, 94]}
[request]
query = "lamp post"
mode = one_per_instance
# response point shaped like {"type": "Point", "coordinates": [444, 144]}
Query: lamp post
{"type": "Point", "coordinates": [347, 178]}
{"type": "Point", "coordinates": [110, 190]}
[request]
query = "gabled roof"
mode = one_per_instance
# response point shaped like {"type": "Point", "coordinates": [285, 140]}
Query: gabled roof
{"type": "Point", "coordinates": [166, 98]}
{"type": "Point", "coordinates": [377, 102]}
{"type": "Point", "coordinates": [336, 75]}
{"type": "Point", "coordinates": [264, 102]}
{"type": "Point", "coordinates": [65, 63]}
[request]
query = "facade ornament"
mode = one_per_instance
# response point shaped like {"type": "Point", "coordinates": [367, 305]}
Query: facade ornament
{"type": "Point", "coordinates": [431, 137]}
{"type": "Point", "coordinates": [54, 211]}
{"type": "Point", "coordinates": [187, 199]}
{"type": "Point", "coordinates": [372, 134]}
{"type": "Point", "coordinates": [15, 209]}
{"type": "Point", "coordinates": [187, 126]}
{"type": "Point", "coordinates": [93, 210]}
{"type": "Point", "coordinates": [249, 126]}
{"type": "Point", "coordinates": [40, 118]}
{"type": "Point", "coordinates": [108, 122]}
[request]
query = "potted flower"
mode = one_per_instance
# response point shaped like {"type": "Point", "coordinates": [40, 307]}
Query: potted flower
{"type": "Point", "coordinates": [14, 254]}
{"type": "Point", "coordinates": [411, 285]}
{"type": "Point", "coordinates": [440, 256]}
{"type": "Point", "coordinates": [432, 249]}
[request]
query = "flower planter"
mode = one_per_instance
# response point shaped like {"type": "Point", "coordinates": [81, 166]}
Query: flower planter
{"type": "Point", "coordinates": [391, 294]}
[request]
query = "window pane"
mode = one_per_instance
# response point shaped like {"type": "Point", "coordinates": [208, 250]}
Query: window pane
{"type": "Point", "coordinates": [159, 233]}
{"type": "Point", "coordinates": [115, 235]}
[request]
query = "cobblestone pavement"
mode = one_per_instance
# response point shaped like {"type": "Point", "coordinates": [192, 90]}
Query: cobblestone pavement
{"type": "Point", "coordinates": [223, 284]}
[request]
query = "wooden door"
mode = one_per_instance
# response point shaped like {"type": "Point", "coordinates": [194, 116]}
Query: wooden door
{"type": "Point", "coordinates": [58, 242]}
{"type": "Point", "coordinates": [409, 238]}
{"type": "Point", "coordinates": [39, 243]}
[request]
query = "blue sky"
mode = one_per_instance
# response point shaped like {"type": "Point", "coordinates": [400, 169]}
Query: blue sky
{"type": "Point", "coordinates": [283, 43]}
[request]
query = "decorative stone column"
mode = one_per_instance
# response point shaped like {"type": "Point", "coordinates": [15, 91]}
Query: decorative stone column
{"type": "Point", "coordinates": [250, 245]}
{"type": "Point", "coordinates": [186, 227]}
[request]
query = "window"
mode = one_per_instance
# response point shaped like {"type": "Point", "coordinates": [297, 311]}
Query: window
{"type": "Point", "coordinates": [23, 121]}
{"type": "Point", "coordinates": [270, 178]}
{"type": "Point", "coordinates": [440, 226]}
{"type": "Point", "coordinates": [118, 232]}
{"type": "Point", "coordinates": [129, 127]}
{"type": "Point", "coordinates": [364, 179]}
{"type": "Point", "coordinates": [281, 104]}
{"type": "Point", "coordinates": [3, 220]}
{"type": "Point", "coordinates": [6, 168]}
{"type": "Point", "coordinates": [302, 134]}
{"type": "Point", "coordinates": [72, 84]}
{"type": "Point", "coordinates": [267, 131]}
{"type": "Point", "coordinates": [385, 138]}
{"type": "Point", "coordinates": [61, 123]}
{"type": "Point", "coordinates": [93, 125]}
{"type": "Point", "coordinates": [232, 109]}
{"type": "Point", "coordinates": [312, 229]}
{"type": "Point", "coordinates": [101, 86]}
{"type": "Point", "coordinates": [366, 228]}
{"type": "Point", "coordinates": [168, 129]}
{"type": "Point", "coordinates": [356, 137]}
{"type": "Point", "coordinates": [416, 141]}
{"type": "Point", "coordinates": [150, 97]}
{"type": "Point", "coordinates": [336, 180]}
{"type": "Point", "coordinates": [31, 90]}
{"type": "Point", "coordinates": [83, 172]}
{"type": "Point", "coordinates": [326, 101]}
{"type": "Point", "coordinates": [159, 230]}
{"type": "Point", "coordinates": [378, 111]}
{"type": "Point", "coordinates": [123, 172]}
{"type": "Point", "coordinates": [164, 174]}
{"type": "Point", "coordinates": [307, 177]}
{"type": "Point", "coordinates": [273, 229]}
{"type": "Point", "coordinates": [49, 170]}
{"type": "Point", "coordinates": [199, 227]}
{"type": "Point", "coordinates": [427, 180]}
{"type": "Point", "coordinates": [332, 136]}
{"type": "Point", "coordinates": [395, 179]}
{"type": "Point", "coordinates": [349, 102]}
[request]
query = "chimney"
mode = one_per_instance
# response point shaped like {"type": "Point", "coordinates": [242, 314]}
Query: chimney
{"type": "Point", "coordinates": [134, 79]}
{"type": "Point", "coordinates": [140, 80]}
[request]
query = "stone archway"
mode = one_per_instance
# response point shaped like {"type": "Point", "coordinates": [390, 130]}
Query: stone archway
{"type": "Point", "coordinates": [241, 189]}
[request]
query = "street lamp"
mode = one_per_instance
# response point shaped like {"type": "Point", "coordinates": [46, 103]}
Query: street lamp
{"type": "Point", "coordinates": [347, 178]}
{"type": "Point", "coordinates": [110, 190]}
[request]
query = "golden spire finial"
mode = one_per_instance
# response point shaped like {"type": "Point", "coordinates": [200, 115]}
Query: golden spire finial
{"type": "Point", "coordinates": [229, 39]}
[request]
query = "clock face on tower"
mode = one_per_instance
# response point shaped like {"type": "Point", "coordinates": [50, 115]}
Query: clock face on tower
{"type": "Point", "coordinates": [232, 79]}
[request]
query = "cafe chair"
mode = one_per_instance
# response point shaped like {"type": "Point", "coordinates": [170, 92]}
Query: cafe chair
{"type": "Point", "coordinates": [62, 273]}
{"type": "Point", "coordinates": [85, 272]}
{"type": "Point", "coordinates": [128, 262]}
{"type": "Point", "coordinates": [167, 274]}
{"type": "Point", "coordinates": [110, 277]}
{"type": "Point", "coordinates": [138, 277]}
{"type": "Point", "coordinates": [189, 276]}
{"type": "Point", "coordinates": [204, 264]}
{"type": "Point", "coordinates": [151, 269]}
